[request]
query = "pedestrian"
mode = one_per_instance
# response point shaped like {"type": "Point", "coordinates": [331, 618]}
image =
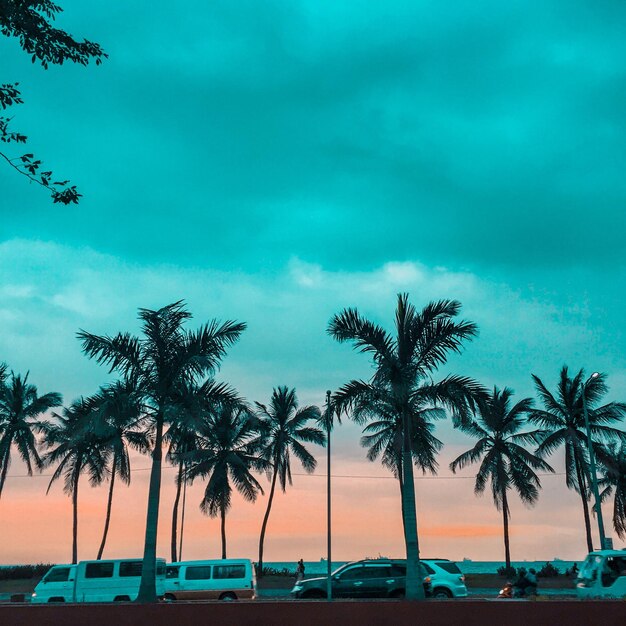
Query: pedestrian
{"type": "Point", "coordinates": [300, 570]}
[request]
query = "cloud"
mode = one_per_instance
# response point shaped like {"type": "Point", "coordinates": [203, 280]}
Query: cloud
{"type": "Point", "coordinates": [489, 136]}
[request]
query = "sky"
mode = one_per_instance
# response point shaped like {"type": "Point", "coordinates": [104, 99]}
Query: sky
{"type": "Point", "coordinates": [276, 162]}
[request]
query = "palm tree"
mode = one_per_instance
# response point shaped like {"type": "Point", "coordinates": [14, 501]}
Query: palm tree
{"type": "Point", "coordinates": [503, 460]}
{"type": "Point", "coordinates": [383, 434]}
{"type": "Point", "coordinates": [20, 406]}
{"type": "Point", "coordinates": [564, 422]}
{"type": "Point", "coordinates": [285, 428]}
{"type": "Point", "coordinates": [77, 444]}
{"type": "Point", "coordinates": [402, 365]}
{"type": "Point", "coordinates": [120, 410]}
{"type": "Point", "coordinates": [157, 364]}
{"type": "Point", "coordinates": [227, 451]}
{"type": "Point", "coordinates": [191, 403]}
{"type": "Point", "coordinates": [613, 460]}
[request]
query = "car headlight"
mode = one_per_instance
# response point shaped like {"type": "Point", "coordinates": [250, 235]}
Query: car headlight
{"type": "Point", "coordinates": [33, 595]}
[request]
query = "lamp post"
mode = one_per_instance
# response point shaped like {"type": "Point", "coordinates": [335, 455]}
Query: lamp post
{"type": "Point", "coordinates": [592, 463]}
{"type": "Point", "coordinates": [329, 587]}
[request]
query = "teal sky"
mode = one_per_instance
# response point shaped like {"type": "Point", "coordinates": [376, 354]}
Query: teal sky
{"type": "Point", "coordinates": [274, 162]}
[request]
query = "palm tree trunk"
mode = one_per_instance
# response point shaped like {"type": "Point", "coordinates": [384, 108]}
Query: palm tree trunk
{"type": "Point", "coordinates": [505, 516]}
{"type": "Point", "coordinates": [175, 512]}
{"type": "Point", "coordinates": [582, 488]}
{"type": "Point", "coordinates": [223, 515]}
{"type": "Point", "coordinates": [3, 475]}
{"type": "Point", "coordinates": [264, 526]}
{"type": "Point", "coordinates": [109, 503]}
{"type": "Point", "coordinates": [182, 522]}
{"type": "Point", "coordinates": [414, 583]}
{"type": "Point", "coordinates": [401, 494]}
{"type": "Point", "coordinates": [76, 477]}
{"type": "Point", "coordinates": [147, 586]}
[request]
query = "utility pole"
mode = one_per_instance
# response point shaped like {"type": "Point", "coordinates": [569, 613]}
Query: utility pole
{"type": "Point", "coordinates": [329, 587]}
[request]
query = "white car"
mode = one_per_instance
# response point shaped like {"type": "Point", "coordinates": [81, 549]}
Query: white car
{"type": "Point", "coordinates": [447, 579]}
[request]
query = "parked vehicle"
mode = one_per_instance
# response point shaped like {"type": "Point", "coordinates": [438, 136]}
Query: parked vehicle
{"type": "Point", "coordinates": [369, 578]}
{"type": "Point", "coordinates": [56, 586]}
{"type": "Point", "coordinates": [603, 575]}
{"type": "Point", "coordinates": [114, 580]}
{"type": "Point", "coordinates": [447, 580]}
{"type": "Point", "coordinates": [223, 579]}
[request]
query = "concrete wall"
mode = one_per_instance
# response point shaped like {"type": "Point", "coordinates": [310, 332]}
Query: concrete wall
{"type": "Point", "coordinates": [321, 613]}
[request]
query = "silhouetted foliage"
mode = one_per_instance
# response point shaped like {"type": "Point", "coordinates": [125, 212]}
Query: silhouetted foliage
{"type": "Point", "coordinates": [158, 364]}
{"type": "Point", "coordinates": [564, 422]}
{"type": "Point", "coordinates": [404, 363]}
{"type": "Point", "coordinates": [548, 571]}
{"type": "Point", "coordinates": [613, 461]}
{"type": "Point", "coordinates": [504, 462]}
{"type": "Point", "coordinates": [30, 22]}
{"type": "Point", "coordinates": [508, 572]}
{"type": "Point", "coordinates": [228, 450]}
{"type": "Point", "coordinates": [24, 572]}
{"type": "Point", "coordinates": [20, 409]}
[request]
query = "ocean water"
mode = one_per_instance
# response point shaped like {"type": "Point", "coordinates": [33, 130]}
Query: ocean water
{"type": "Point", "coordinates": [467, 567]}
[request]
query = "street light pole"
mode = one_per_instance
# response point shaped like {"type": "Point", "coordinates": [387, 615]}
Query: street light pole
{"type": "Point", "coordinates": [592, 463]}
{"type": "Point", "coordinates": [329, 588]}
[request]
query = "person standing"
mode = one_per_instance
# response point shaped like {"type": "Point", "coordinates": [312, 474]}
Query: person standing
{"type": "Point", "coordinates": [300, 570]}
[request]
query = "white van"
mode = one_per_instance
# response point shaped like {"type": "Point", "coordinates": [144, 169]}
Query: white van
{"type": "Point", "coordinates": [113, 580]}
{"type": "Point", "coordinates": [57, 585]}
{"type": "Point", "coordinates": [603, 575]}
{"type": "Point", "coordinates": [224, 579]}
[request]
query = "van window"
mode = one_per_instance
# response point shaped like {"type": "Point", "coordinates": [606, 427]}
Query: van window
{"type": "Point", "coordinates": [99, 570]}
{"type": "Point", "coordinates": [160, 568]}
{"type": "Point", "coordinates": [130, 568]}
{"type": "Point", "coordinates": [229, 571]}
{"type": "Point", "coordinates": [58, 575]}
{"type": "Point", "coordinates": [198, 572]}
{"type": "Point", "coordinates": [172, 572]}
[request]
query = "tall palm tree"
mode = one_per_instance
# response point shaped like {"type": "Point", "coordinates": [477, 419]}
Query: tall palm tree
{"type": "Point", "coordinates": [77, 444]}
{"type": "Point", "coordinates": [403, 365]}
{"type": "Point", "coordinates": [157, 364]}
{"type": "Point", "coordinates": [120, 411]}
{"type": "Point", "coordinates": [227, 451]}
{"type": "Point", "coordinates": [20, 407]}
{"type": "Point", "coordinates": [564, 422]}
{"type": "Point", "coordinates": [613, 460]}
{"type": "Point", "coordinates": [191, 403]}
{"type": "Point", "coordinates": [503, 460]}
{"type": "Point", "coordinates": [285, 428]}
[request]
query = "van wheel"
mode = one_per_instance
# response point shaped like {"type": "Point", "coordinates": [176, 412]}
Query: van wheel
{"type": "Point", "coordinates": [121, 599]}
{"type": "Point", "coordinates": [441, 592]}
{"type": "Point", "coordinates": [56, 600]}
{"type": "Point", "coordinates": [398, 594]}
{"type": "Point", "coordinates": [168, 597]}
{"type": "Point", "coordinates": [228, 597]}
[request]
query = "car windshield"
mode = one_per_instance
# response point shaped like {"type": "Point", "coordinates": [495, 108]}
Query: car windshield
{"type": "Point", "coordinates": [589, 569]}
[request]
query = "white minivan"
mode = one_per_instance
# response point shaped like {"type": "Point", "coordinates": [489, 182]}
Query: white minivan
{"type": "Point", "coordinates": [603, 575]}
{"type": "Point", "coordinates": [112, 580]}
{"type": "Point", "coordinates": [57, 585]}
{"type": "Point", "coordinates": [223, 579]}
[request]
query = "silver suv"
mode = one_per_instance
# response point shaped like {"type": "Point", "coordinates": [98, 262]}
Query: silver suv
{"type": "Point", "coordinates": [447, 580]}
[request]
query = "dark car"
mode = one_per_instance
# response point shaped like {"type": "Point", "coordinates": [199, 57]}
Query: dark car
{"type": "Point", "coordinates": [370, 578]}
